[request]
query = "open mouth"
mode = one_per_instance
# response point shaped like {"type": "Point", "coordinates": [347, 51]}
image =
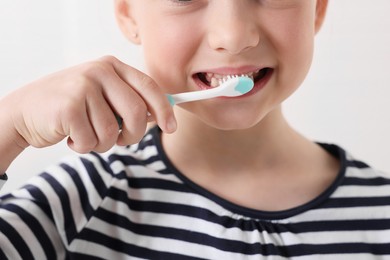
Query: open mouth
{"type": "Point", "coordinates": [213, 80]}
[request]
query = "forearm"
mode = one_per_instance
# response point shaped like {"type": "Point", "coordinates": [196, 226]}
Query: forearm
{"type": "Point", "coordinates": [8, 152]}
{"type": "Point", "coordinates": [11, 143]}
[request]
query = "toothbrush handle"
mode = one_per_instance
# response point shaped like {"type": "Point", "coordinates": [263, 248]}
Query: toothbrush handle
{"type": "Point", "coordinates": [192, 96]}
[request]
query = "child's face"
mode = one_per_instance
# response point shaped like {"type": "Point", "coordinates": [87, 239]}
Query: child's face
{"type": "Point", "coordinates": [188, 43]}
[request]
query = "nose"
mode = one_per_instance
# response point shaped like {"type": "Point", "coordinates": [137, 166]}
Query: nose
{"type": "Point", "coordinates": [233, 29]}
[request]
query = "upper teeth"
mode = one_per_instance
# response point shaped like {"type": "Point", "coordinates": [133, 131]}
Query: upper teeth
{"type": "Point", "coordinates": [217, 79]}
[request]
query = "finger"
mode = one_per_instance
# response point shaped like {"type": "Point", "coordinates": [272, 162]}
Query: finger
{"type": "Point", "coordinates": [156, 101]}
{"type": "Point", "coordinates": [134, 120]}
{"type": "Point", "coordinates": [129, 107]}
{"type": "Point", "coordinates": [103, 121]}
{"type": "Point", "coordinates": [82, 138]}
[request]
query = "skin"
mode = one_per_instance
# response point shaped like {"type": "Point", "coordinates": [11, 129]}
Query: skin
{"type": "Point", "coordinates": [246, 142]}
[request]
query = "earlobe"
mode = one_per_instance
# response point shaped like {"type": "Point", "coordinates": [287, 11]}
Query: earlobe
{"type": "Point", "coordinates": [321, 8]}
{"type": "Point", "coordinates": [126, 21]}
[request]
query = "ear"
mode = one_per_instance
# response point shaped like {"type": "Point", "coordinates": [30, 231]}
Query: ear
{"type": "Point", "coordinates": [320, 13]}
{"type": "Point", "coordinates": [126, 21]}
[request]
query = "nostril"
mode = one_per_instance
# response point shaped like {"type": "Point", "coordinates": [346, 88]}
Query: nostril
{"type": "Point", "coordinates": [234, 42]}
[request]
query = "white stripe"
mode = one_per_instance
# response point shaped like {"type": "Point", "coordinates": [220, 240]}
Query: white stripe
{"type": "Point", "coordinates": [142, 172]}
{"type": "Point", "coordinates": [157, 166]}
{"type": "Point", "coordinates": [352, 191]}
{"type": "Point", "coordinates": [74, 197]}
{"type": "Point", "coordinates": [365, 173]}
{"type": "Point", "coordinates": [165, 244]}
{"type": "Point", "coordinates": [335, 237]}
{"type": "Point", "coordinates": [98, 250]}
{"type": "Point", "coordinates": [53, 201]}
{"type": "Point", "coordinates": [79, 167]}
{"type": "Point", "coordinates": [133, 149]}
{"type": "Point", "coordinates": [24, 231]}
{"type": "Point", "coordinates": [22, 193]}
{"type": "Point", "coordinates": [219, 231]}
{"type": "Point", "coordinates": [93, 195]}
{"type": "Point", "coordinates": [341, 257]}
{"type": "Point", "coordinates": [46, 223]}
{"type": "Point", "coordinates": [9, 250]}
{"type": "Point", "coordinates": [186, 223]}
{"type": "Point", "coordinates": [176, 197]}
{"type": "Point", "coordinates": [146, 153]}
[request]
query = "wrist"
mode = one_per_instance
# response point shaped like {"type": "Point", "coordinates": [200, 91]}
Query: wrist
{"type": "Point", "coordinates": [11, 142]}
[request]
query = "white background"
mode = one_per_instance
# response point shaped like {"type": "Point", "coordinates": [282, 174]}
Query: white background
{"type": "Point", "coordinates": [344, 99]}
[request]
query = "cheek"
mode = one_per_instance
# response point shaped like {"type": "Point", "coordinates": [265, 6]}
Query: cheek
{"type": "Point", "coordinates": [294, 44]}
{"type": "Point", "coordinates": [168, 49]}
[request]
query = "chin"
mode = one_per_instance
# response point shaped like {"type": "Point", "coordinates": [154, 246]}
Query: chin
{"type": "Point", "coordinates": [230, 122]}
{"type": "Point", "coordinates": [228, 118]}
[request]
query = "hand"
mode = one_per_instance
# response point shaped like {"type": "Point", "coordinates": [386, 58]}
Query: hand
{"type": "Point", "coordinates": [82, 102]}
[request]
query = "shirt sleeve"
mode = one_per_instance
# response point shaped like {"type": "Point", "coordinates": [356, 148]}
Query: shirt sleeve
{"type": "Point", "coordinates": [43, 218]}
{"type": "Point", "coordinates": [3, 180]}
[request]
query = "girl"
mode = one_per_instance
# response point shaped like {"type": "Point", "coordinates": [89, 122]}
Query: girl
{"type": "Point", "coordinates": [225, 178]}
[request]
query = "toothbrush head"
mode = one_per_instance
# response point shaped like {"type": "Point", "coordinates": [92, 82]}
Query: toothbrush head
{"type": "Point", "coordinates": [236, 86]}
{"type": "Point", "coordinates": [244, 85]}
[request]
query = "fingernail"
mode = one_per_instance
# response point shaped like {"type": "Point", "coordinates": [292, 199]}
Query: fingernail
{"type": "Point", "coordinates": [171, 124]}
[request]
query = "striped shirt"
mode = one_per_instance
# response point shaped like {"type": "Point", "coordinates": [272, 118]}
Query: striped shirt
{"type": "Point", "coordinates": [131, 203]}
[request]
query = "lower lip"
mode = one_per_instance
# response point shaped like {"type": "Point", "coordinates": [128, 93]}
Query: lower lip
{"type": "Point", "coordinates": [256, 88]}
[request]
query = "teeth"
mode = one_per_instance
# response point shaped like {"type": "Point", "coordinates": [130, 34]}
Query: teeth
{"type": "Point", "coordinates": [217, 79]}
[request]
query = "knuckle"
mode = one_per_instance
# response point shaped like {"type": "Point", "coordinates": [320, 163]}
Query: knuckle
{"type": "Point", "coordinates": [109, 59]}
{"type": "Point", "coordinates": [109, 134]}
{"type": "Point", "coordinates": [85, 146]}
{"type": "Point", "coordinates": [139, 109]}
{"type": "Point", "coordinates": [96, 68]}
{"type": "Point", "coordinates": [147, 81]}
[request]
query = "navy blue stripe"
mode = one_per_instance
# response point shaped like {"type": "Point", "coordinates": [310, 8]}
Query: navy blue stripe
{"type": "Point", "coordinates": [145, 142]}
{"type": "Point", "coordinates": [131, 161]}
{"type": "Point", "coordinates": [342, 248]}
{"type": "Point", "coordinates": [180, 209]}
{"type": "Point", "coordinates": [95, 176]}
{"type": "Point", "coordinates": [82, 191]}
{"type": "Point", "coordinates": [69, 224]}
{"type": "Point", "coordinates": [75, 256]}
{"type": "Point", "coordinates": [16, 240]}
{"type": "Point", "coordinates": [247, 225]}
{"type": "Point", "coordinates": [187, 235]}
{"type": "Point", "coordinates": [155, 183]}
{"type": "Point", "coordinates": [129, 249]}
{"type": "Point", "coordinates": [36, 229]}
{"type": "Point", "coordinates": [239, 246]}
{"type": "Point", "coordinates": [356, 202]}
{"type": "Point", "coordinates": [357, 164]}
{"type": "Point", "coordinates": [335, 225]}
{"type": "Point", "coordinates": [2, 254]}
{"type": "Point", "coordinates": [5, 197]}
{"type": "Point", "coordinates": [105, 165]}
{"type": "Point", "coordinates": [378, 181]}
{"type": "Point", "coordinates": [40, 200]}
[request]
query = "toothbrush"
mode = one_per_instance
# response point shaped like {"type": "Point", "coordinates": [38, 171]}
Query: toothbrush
{"type": "Point", "coordinates": [232, 87]}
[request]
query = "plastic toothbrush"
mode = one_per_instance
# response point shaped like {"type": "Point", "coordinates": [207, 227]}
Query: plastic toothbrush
{"type": "Point", "coordinates": [232, 87]}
